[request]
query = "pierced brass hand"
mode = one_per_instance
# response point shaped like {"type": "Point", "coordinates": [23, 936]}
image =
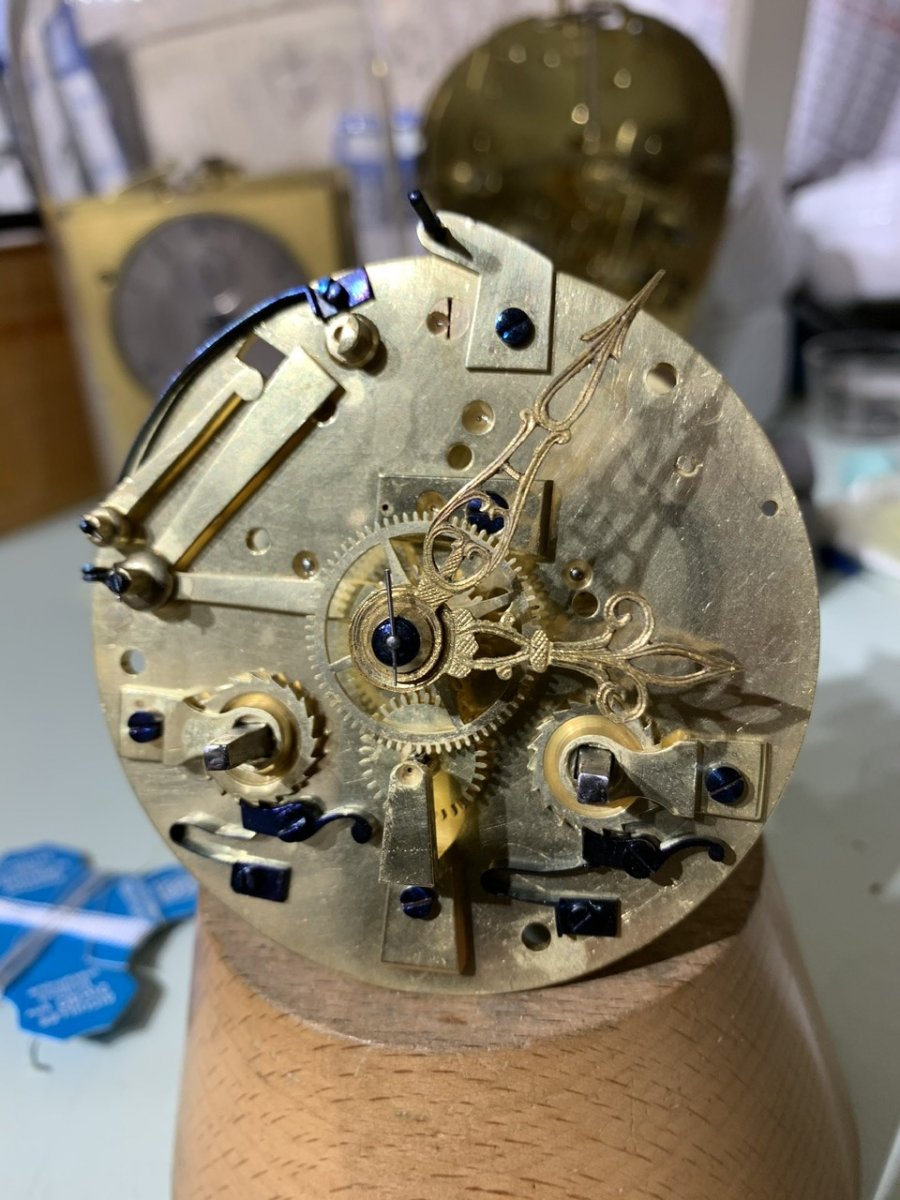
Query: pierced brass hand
{"type": "Point", "coordinates": [441, 580]}
{"type": "Point", "coordinates": [623, 683]}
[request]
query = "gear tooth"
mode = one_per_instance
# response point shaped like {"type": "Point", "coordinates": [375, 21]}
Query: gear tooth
{"type": "Point", "coordinates": [309, 743]}
{"type": "Point", "coordinates": [363, 708]}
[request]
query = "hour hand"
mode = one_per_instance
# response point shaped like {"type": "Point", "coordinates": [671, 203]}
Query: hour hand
{"type": "Point", "coordinates": [453, 560]}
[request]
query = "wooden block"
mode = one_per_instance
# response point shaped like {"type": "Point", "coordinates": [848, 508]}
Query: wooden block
{"type": "Point", "coordinates": [698, 1070]}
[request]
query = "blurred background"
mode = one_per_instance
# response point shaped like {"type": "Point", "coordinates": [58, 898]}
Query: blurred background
{"type": "Point", "coordinates": [165, 165]}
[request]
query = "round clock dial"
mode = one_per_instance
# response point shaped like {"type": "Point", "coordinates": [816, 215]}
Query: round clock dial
{"type": "Point", "coordinates": [185, 281]}
{"type": "Point", "coordinates": [602, 137]}
{"type": "Point", "coordinates": [459, 632]}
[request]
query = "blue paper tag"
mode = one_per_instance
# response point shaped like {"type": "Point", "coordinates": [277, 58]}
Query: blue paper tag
{"type": "Point", "coordinates": [68, 935]}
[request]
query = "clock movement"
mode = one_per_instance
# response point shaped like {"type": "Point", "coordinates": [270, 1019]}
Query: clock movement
{"type": "Point", "coordinates": [457, 623]}
{"type": "Point", "coordinates": [600, 136]}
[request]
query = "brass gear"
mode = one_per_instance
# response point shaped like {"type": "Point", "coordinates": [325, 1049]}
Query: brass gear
{"type": "Point", "coordinates": [282, 704]}
{"type": "Point", "coordinates": [349, 578]}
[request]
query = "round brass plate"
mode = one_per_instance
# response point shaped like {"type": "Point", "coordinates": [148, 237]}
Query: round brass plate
{"type": "Point", "coordinates": [280, 513]}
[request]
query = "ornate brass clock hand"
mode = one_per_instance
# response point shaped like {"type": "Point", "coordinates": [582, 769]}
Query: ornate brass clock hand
{"type": "Point", "coordinates": [441, 580]}
{"type": "Point", "coordinates": [623, 682]}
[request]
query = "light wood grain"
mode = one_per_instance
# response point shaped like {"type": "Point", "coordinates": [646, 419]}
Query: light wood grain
{"type": "Point", "coordinates": [699, 1071]}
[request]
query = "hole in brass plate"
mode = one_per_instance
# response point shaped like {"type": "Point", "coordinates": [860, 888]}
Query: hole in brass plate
{"type": "Point", "coordinates": [258, 541]}
{"type": "Point", "coordinates": [536, 936]}
{"type": "Point", "coordinates": [133, 662]}
{"type": "Point", "coordinates": [585, 604]}
{"type": "Point", "coordinates": [459, 457]}
{"type": "Point", "coordinates": [661, 379]}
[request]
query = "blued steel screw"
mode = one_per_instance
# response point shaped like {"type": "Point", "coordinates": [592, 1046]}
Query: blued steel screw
{"type": "Point", "coordinates": [118, 582]}
{"type": "Point", "coordinates": [580, 917]}
{"type": "Point", "coordinates": [332, 291]}
{"type": "Point", "coordinates": [482, 522]}
{"type": "Point", "coordinates": [92, 574]}
{"type": "Point", "coordinates": [725, 785]}
{"type": "Point", "coordinates": [418, 902]}
{"type": "Point", "coordinates": [514, 328]}
{"type": "Point", "coordinates": [144, 727]}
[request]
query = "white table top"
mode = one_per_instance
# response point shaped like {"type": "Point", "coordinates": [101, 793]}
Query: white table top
{"type": "Point", "coordinates": [95, 1118]}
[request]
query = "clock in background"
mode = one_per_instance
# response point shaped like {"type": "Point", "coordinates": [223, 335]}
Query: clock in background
{"type": "Point", "coordinates": [157, 270]}
{"type": "Point", "coordinates": [190, 164]}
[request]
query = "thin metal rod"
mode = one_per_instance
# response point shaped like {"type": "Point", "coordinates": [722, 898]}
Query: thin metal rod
{"type": "Point", "coordinates": [393, 641]}
{"type": "Point", "coordinates": [432, 224]}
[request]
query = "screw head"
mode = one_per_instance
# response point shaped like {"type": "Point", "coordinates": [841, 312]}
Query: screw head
{"type": "Point", "coordinates": [118, 582]}
{"type": "Point", "coordinates": [405, 643]}
{"type": "Point", "coordinates": [144, 727]}
{"type": "Point", "coordinates": [514, 328]}
{"type": "Point", "coordinates": [580, 917]}
{"type": "Point", "coordinates": [725, 785]}
{"type": "Point", "coordinates": [420, 903]}
{"type": "Point", "coordinates": [352, 340]}
{"type": "Point", "coordinates": [332, 291]}
{"type": "Point", "coordinates": [482, 522]}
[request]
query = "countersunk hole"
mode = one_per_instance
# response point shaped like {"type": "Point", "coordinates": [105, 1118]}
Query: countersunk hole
{"type": "Point", "coordinates": [478, 418]}
{"type": "Point", "coordinates": [438, 323]}
{"type": "Point", "coordinates": [305, 564]}
{"type": "Point", "coordinates": [585, 604]}
{"type": "Point", "coordinates": [577, 574]}
{"type": "Point", "coordinates": [661, 379]}
{"type": "Point", "coordinates": [258, 541]}
{"type": "Point", "coordinates": [429, 502]}
{"type": "Point", "coordinates": [133, 662]}
{"type": "Point", "coordinates": [536, 936]}
{"type": "Point", "coordinates": [387, 508]}
{"type": "Point", "coordinates": [459, 457]}
{"type": "Point", "coordinates": [769, 508]}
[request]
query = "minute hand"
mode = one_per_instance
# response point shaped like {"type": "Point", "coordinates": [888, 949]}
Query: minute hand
{"type": "Point", "coordinates": [439, 581]}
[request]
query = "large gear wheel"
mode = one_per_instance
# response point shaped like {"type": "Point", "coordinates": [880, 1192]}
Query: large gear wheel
{"type": "Point", "coordinates": [281, 704]}
{"type": "Point", "coordinates": [458, 772]}
{"type": "Point", "coordinates": [460, 712]}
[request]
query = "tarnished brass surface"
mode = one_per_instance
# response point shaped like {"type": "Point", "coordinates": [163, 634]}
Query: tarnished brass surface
{"type": "Point", "coordinates": [647, 602]}
{"type": "Point", "coordinates": [603, 138]}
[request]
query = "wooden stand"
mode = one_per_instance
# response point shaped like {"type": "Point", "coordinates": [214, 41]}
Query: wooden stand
{"type": "Point", "coordinates": [696, 1071]}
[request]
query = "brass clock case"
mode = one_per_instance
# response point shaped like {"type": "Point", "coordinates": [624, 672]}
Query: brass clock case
{"type": "Point", "coordinates": [474, 667]}
{"type": "Point", "coordinates": [603, 138]}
